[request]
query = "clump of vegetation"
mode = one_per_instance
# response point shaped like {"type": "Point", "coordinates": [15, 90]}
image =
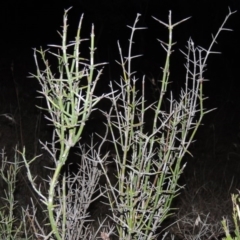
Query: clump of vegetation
{"type": "Point", "coordinates": [148, 160]}
{"type": "Point", "coordinates": [235, 234]}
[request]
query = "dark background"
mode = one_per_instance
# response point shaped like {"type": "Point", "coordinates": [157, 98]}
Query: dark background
{"type": "Point", "coordinates": [30, 24]}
